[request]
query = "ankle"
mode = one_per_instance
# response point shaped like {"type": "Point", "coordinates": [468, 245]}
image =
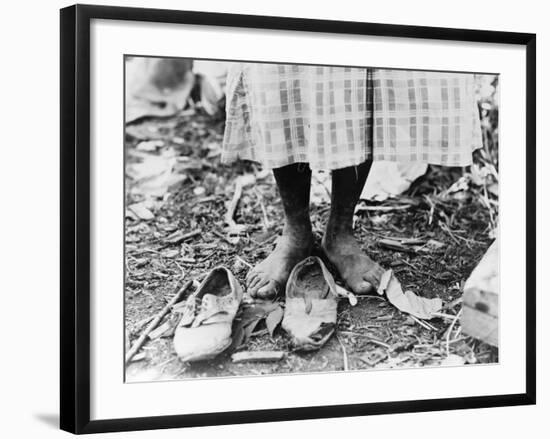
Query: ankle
{"type": "Point", "coordinates": [299, 232]}
{"type": "Point", "coordinates": [337, 230]}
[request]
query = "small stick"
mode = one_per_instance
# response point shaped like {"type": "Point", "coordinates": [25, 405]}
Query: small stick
{"type": "Point", "coordinates": [448, 337]}
{"type": "Point", "coordinates": [421, 323]}
{"type": "Point", "coordinates": [139, 342]}
{"type": "Point", "coordinates": [175, 238]}
{"type": "Point", "coordinates": [267, 224]}
{"type": "Point", "coordinates": [221, 236]}
{"type": "Point", "coordinates": [433, 328]}
{"type": "Point", "coordinates": [443, 315]}
{"type": "Point", "coordinates": [257, 356]}
{"type": "Point", "coordinates": [457, 333]}
{"type": "Point", "coordinates": [370, 339]}
{"type": "Point", "coordinates": [232, 207]}
{"type": "Point", "coordinates": [327, 190]}
{"type": "Point", "coordinates": [344, 354]}
{"type": "Point", "coordinates": [234, 202]}
{"type": "Point", "coordinates": [181, 269]}
{"type": "Point", "coordinates": [382, 208]}
{"type": "Point", "coordinates": [143, 322]}
{"type": "Point", "coordinates": [448, 231]}
{"type": "Point", "coordinates": [242, 261]}
{"type": "Point", "coordinates": [264, 242]}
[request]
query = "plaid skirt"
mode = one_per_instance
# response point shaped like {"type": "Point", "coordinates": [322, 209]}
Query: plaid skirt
{"type": "Point", "coordinates": [334, 117]}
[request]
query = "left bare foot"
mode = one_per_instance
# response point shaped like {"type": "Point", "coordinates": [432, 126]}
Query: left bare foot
{"type": "Point", "coordinates": [359, 271]}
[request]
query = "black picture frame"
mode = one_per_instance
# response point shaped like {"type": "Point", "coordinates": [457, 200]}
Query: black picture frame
{"type": "Point", "coordinates": [75, 217]}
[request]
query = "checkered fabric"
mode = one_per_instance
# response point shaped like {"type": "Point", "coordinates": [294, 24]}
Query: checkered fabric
{"type": "Point", "coordinates": [334, 117]}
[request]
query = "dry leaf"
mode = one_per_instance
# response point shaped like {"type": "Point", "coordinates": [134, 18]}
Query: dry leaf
{"type": "Point", "coordinates": [249, 319]}
{"type": "Point", "coordinates": [141, 211]}
{"type": "Point", "coordinates": [249, 329]}
{"type": "Point", "coordinates": [273, 319]}
{"type": "Point", "coordinates": [407, 302]}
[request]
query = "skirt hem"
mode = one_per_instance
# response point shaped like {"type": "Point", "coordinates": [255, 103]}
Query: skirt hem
{"type": "Point", "coordinates": [462, 161]}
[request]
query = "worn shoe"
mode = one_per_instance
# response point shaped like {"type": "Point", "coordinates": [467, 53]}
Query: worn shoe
{"type": "Point", "coordinates": [311, 304]}
{"type": "Point", "coordinates": [205, 328]}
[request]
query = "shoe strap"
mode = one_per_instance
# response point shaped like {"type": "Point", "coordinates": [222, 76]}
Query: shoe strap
{"type": "Point", "coordinates": [215, 309]}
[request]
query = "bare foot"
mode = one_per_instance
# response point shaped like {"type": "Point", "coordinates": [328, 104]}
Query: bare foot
{"type": "Point", "coordinates": [359, 271]}
{"type": "Point", "coordinates": [268, 278]}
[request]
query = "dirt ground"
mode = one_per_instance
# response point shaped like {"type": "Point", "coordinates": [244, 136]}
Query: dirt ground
{"type": "Point", "coordinates": [187, 235]}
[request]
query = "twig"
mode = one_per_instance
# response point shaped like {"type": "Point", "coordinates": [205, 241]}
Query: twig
{"type": "Point", "coordinates": [485, 200]}
{"type": "Point", "coordinates": [257, 356]}
{"type": "Point", "coordinates": [207, 199]}
{"type": "Point", "coordinates": [344, 354]}
{"type": "Point", "coordinates": [264, 242]}
{"type": "Point", "coordinates": [457, 333]}
{"type": "Point", "coordinates": [139, 342]}
{"type": "Point", "coordinates": [382, 208]}
{"type": "Point", "coordinates": [425, 273]}
{"type": "Point", "coordinates": [180, 268]}
{"type": "Point", "coordinates": [422, 323]}
{"type": "Point", "coordinates": [221, 236]}
{"type": "Point", "coordinates": [368, 337]}
{"type": "Point", "coordinates": [322, 183]}
{"type": "Point", "coordinates": [178, 237]}
{"type": "Point", "coordinates": [267, 224]}
{"type": "Point", "coordinates": [446, 229]}
{"type": "Point", "coordinates": [448, 336]}
{"type": "Point", "coordinates": [443, 315]}
{"type": "Point", "coordinates": [432, 327]}
{"type": "Point", "coordinates": [143, 322]}
{"type": "Point", "coordinates": [396, 245]}
{"type": "Point", "coordinates": [242, 261]}
{"type": "Point", "coordinates": [432, 209]}
{"type": "Point", "coordinates": [457, 339]}
{"type": "Point", "coordinates": [146, 250]}
{"type": "Point", "coordinates": [232, 207]}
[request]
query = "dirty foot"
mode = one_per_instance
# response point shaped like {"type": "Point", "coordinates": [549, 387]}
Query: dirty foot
{"type": "Point", "coordinates": [359, 271]}
{"type": "Point", "coordinates": [268, 279]}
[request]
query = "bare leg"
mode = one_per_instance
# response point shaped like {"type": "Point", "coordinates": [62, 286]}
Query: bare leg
{"type": "Point", "coordinates": [356, 268]}
{"type": "Point", "coordinates": [269, 277]}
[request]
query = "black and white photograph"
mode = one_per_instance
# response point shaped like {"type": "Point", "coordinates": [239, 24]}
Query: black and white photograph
{"type": "Point", "coordinates": [300, 219]}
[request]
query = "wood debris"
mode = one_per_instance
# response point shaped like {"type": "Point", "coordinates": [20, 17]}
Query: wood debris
{"type": "Point", "coordinates": [257, 356]}
{"type": "Point", "coordinates": [180, 236]}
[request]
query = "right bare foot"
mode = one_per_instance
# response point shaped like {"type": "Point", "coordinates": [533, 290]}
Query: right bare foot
{"type": "Point", "coordinates": [268, 279]}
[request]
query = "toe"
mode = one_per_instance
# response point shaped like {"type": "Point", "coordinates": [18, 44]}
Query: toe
{"type": "Point", "coordinates": [363, 287]}
{"type": "Point", "coordinates": [268, 291]}
{"type": "Point", "coordinates": [374, 275]}
{"type": "Point", "coordinates": [250, 277]}
{"type": "Point", "coordinates": [258, 283]}
{"type": "Point", "coordinates": [257, 279]}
